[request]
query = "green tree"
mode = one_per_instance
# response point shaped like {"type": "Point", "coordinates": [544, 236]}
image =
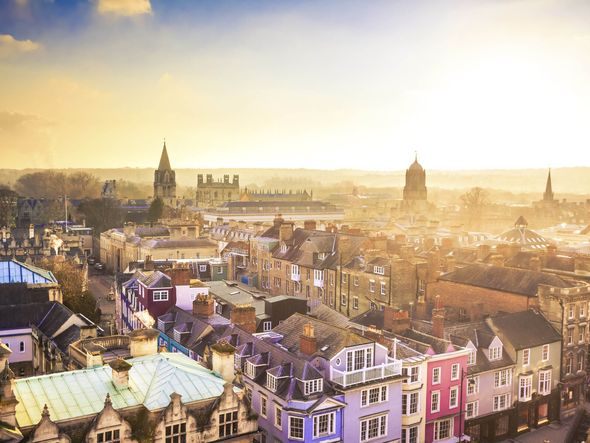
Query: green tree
{"type": "Point", "coordinates": [102, 214]}
{"type": "Point", "coordinates": [156, 210]}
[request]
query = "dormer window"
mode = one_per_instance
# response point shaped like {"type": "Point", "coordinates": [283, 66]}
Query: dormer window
{"type": "Point", "coordinates": [160, 295]}
{"type": "Point", "coordinates": [250, 369]}
{"type": "Point", "coordinates": [271, 382]}
{"type": "Point", "coordinates": [495, 353]}
{"type": "Point", "coordinates": [471, 357]}
{"type": "Point", "coordinates": [379, 270]}
{"type": "Point", "coordinates": [313, 386]}
{"type": "Point", "coordinates": [283, 248]}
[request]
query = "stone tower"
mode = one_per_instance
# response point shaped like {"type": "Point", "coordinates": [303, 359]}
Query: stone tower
{"type": "Point", "coordinates": [165, 180]}
{"type": "Point", "coordinates": [548, 196]}
{"type": "Point", "coordinates": [415, 188]}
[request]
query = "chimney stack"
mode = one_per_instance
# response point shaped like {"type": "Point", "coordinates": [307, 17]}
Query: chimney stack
{"type": "Point", "coordinates": [308, 344]}
{"type": "Point", "coordinates": [286, 231]}
{"type": "Point", "coordinates": [438, 319]}
{"type": "Point", "coordinates": [497, 260]}
{"type": "Point", "coordinates": [179, 276]}
{"type": "Point", "coordinates": [120, 373]}
{"type": "Point", "coordinates": [535, 263]}
{"type": "Point", "coordinates": [483, 251]}
{"type": "Point", "coordinates": [143, 342]}
{"type": "Point", "coordinates": [148, 264]}
{"type": "Point", "coordinates": [222, 360]}
{"type": "Point", "coordinates": [244, 316]}
{"type": "Point", "coordinates": [278, 221]}
{"type": "Point", "coordinates": [395, 320]}
{"type": "Point", "coordinates": [309, 225]}
{"type": "Point", "coordinates": [203, 306]}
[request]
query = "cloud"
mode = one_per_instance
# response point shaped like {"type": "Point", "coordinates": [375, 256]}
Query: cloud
{"type": "Point", "coordinates": [125, 8]}
{"type": "Point", "coordinates": [9, 45]}
{"type": "Point", "coordinates": [15, 121]}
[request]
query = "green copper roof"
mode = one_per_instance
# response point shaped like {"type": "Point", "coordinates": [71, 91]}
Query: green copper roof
{"type": "Point", "coordinates": [80, 393]}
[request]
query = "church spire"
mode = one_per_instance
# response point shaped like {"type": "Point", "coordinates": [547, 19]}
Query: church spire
{"type": "Point", "coordinates": [548, 195]}
{"type": "Point", "coordinates": [164, 161]}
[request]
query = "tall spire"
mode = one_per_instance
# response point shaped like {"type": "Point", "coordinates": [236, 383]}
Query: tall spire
{"type": "Point", "coordinates": [548, 195]}
{"type": "Point", "coordinates": [164, 161]}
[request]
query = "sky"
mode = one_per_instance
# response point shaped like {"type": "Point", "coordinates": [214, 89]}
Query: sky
{"type": "Point", "coordinates": [324, 84]}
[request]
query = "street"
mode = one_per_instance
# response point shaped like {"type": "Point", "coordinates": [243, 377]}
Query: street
{"type": "Point", "coordinates": [100, 285]}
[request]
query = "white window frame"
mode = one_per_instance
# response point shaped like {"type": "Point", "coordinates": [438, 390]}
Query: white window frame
{"type": "Point", "coordinates": [264, 402]}
{"type": "Point", "coordinates": [369, 393]}
{"type": "Point", "coordinates": [294, 269]}
{"type": "Point", "coordinates": [383, 288]}
{"type": "Point", "coordinates": [437, 424]}
{"type": "Point", "coordinates": [545, 382]}
{"type": "Point", "coordinates": [455, 371]}
{"type": "Point", "coordinates": [22, 347]}
{"type": "Point", "coordinates": [291, 427]}
{"type": "Point", "coordinates": [472, 357]}
{"type": "Point", "coordinates": [371, 285]}
{"type": "Point", "coordinates": [412, 373]}
{"type": "Point", "coordinates": [379, 270]}
{"type": "Point", "coordinates": [409, 397]}
{"type": "Point", "coordinates": [474, 409]}
{"type": "Point", "coordinates": [313, 386]}
{"type": "Point", "coordinates": [525, 387]}
{"type": "Point", "coordinates": [381, 427]}
{"type": "Point", "coordinates": [271, 382]}
{"type": "Point", "coordinates": [502, 378]}
{"type": "Point", "coordinates": [436, 375]}
{"type": "Point", "coordinates": [202, 268]}
{"type": "Point", "coordinates": [526, 357]}
{"type": "Point", "coordinates": [407, 438]}
{"type": "Point", "coordinates": [545, 353]}
{"type": "Point", "coordinates": [266, 326]}
{"type": "Point", "coordinates": [497, 402]}
{"type": "Point", "coordinates": [434, 394]}
{"type": "Point", "coordinates": [159, 295]}
{"type": "Point", "coordinates": [473, 388]}
{"type": "Point", "coordinates": [331, 425]}
{"type": "Point", "coordinates": [495, 353]}
{"type": "Point", "coordinates": [278, 417]}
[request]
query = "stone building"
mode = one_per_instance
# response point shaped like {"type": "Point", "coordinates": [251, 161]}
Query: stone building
{"type": "Point", "coordinates": [300, 195]}
{"type": "Point", "coordinates": [415, 193]}
{"type": "Point", "coordinates": [165, 180]}
{"type": "Point", "coordinates": [151, 397]}
{"type": "Point", "coordinates": [212, 193]}
{"type": "Point", "coordinates": [109, 189]}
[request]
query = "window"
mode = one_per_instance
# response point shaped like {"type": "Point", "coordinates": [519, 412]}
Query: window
{"type": "Point", "coordinates": [220, 270]}
{"type": "Point", "coordinates": [271, 382]}
{"type": "Point", "coordinates": [582, 310]}
{"type": "Point", "coordinates": [501, 402]}
{"type": "Point", "coordinates": [108, 437]}
{"type": "Point", "coordinates": [250, 369]}
{"type": "Point", "coordinates": [355, 302]}
{"type": "Point", "coordinates": [502, 378]}
{"type": "Point", "coordinates": [356, 280]}
{"type": "Point", "coordinates": [581, 333]}
{"type": "Point", "coordinates": [454, 397]}
{"type": "Point", "coordinates": [160, 295]}
{"type": "Point", "coordinates": [581, 358]}
{"type": "Point", "coordinates": [176, 433]}
{"type": "Point", "coordinates": [379, 270]}
{"type": "Point", "coordinates": [569, 364]}
{"type": "Point", "coordinates": [324, 425]}
{"type": "Point", "coordinates": [435, 401]}
{"type": "Point", "coordinates": [296, 428]}
{"type": "Point", "coordinates": [471, 409]}
{"type": "Point", "coordinates": [312, 386]}
{"type": "Point", "coordinates": [435, 376]}
{"type": "Point", "coordinates": [545, 353]}
{"type": "Point", "coordinates": [545, 382]}
{"type": "Point", "coordinates": [359, 359]}
{"type": "Point", "coordinates": [343, 299]}
{"type": "Point", "coordinates": [374, 395]}
{"type": "Point", "coordinates": [371, 285]}
{"type": "Point", "coordinates": [228, 424]}
{"type": "Point", "coordinates": [473, 385]}
{"type": "Point", "coordinates": [374, 427]}
{"type": "Point", "coordinates": [344, 278]}
{"type": "Point", "coordinates": [263, 405]}
{"type": "Point", "coordinates": [295, 270]}
{"type": "Point", "coordinates": [443, 429]}
{"type": "Point", "coordinates": [413, 374]}
{"type": "Point", "coordinates": [331, 279]}
{"type": "Point", "coordinates": [410, 435]}
{"type": "Point", "coordinates": [202, 268]}
{"type": "Point", "coordinates": [277, 264]}
{"type": "Point", "coordinates": [570, 336]}
{"type": "Point", "coordinates": [410, 403]}
{"type": "Point", "coordinates": [455, 372]}
{"type": "Point", "coordinates": [495, 353]}
{"type": "Point", "coordinates": [525, 384]}
{"type": "Point", "coordinates": [21, 346]}
{"type": "Point", "coordinates": [471, 357]}
{"type": "Point", "coordinates": [278, 417]}
{"type": "Point", "coordinates": [526, 357]}
{"type": "Point", "coordinates": [571, 311]}
{"type": "Point", "coordinates": [383, 288]}
{"type": "Point", "coordinates": [318, 274]}
{"type": "Point", "coordinates": [266, 326]}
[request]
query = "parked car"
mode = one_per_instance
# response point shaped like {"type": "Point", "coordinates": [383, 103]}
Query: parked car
{"type": "Point", "coordinates": [99, 266]}
{"type": "Point", "coordinates": [91, 260]}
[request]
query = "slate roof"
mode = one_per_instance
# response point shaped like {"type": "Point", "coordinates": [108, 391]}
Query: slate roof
{"type": "Point", "coordinates": [438, 345]}
{"type": "Point", "coordinates": [329, 315]}
{"type": "Point", "coordinates": [525, 329]}
{"type": "Point", "coordinates": [22, 316]}
{"type": "Point", "coordinates": [329, 337]}
{"type": "Point", "coordinates": [153, 279]}
{"type": "Point", "coordinates": [80, 393]}
{"type": "Point", "coordinates": [500, 278]}
{"type": "Point", "coordinates": [23, 293]}
{"type": "Point", "coordinates": [234, 293]}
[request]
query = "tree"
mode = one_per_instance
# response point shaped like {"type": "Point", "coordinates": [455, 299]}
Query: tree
{"type": "Point", "coordinates": [52, 184]}
{"type": "Point", "coordinates": [474, 203]}
{"type": "Point", "coordinates": [102, 214]}
{"type": "Point", "coordinates": [71, 279]}
{"type": "Point", "coordinates": [156, 210]}
{"type": "Point", "coordinates": [8, 200]}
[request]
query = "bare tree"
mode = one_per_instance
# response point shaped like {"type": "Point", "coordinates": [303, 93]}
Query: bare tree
{"type": "Point", "coordinates": [474, 203]}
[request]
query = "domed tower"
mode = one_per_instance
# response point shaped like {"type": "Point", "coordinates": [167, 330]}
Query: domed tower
{"type": "Point", "coordinates": [165, 180]}
{"type": "Point", "coordinates": [415, 189]}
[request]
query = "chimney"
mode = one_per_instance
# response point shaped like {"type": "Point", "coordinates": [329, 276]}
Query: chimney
{"type": "Point", "coordinates": [203, 306]}
{"type": "Point", "coordinates": [535, 263]}
{"type": "Point", "coordinates": [309, 225]}
{"type": "Point", "coordinates": [148, 264]}
{"type": "Point", "coordinates": [447, 243]}
{"type": "Point", "coordinates": [483, 251]}
{"type": "Point", "coordinates": [395, 320]}
{"type": "Point", "coordinates": [497, 260]}
{"type": "Point", "coordinates": [278, 221]}
{"type": "Point", "coordinates": [143, 342]}
{"type": "Point", "coordinates": [179, 276]}
{"type": "Point", "coordinates": [219, 221]}
{"type": "Point", "coordinates": [551, 251]}
{"type": "Point", "coordinates": [286, 231]}
{"type": "Point", "coordinates": [241, 224]}
{"type": "Point", "coordinates": [308, 344]}
{"type": "Point", "coordinates": [222, 360]}
{"type": "Point", "coordinates": [344, 248]}
{"type": "Point", "coordinates": [244, 316]}
{"type": "Point", "coordinates": [120, 373]}
{"type": "Point", "coordinates": [438, 319]}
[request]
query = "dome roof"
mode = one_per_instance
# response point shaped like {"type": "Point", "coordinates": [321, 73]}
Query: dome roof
{"type": "Point", "coordinates": [416, 166]}
{"type": "Point", "coordinates": [524, 236]}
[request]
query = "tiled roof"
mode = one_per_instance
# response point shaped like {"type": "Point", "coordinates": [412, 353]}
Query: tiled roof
{"type": "Point", "coordinates": [154, 279]}
{"type": "Point", "coordinates": [500, 278]}
{"type": "Point", "coordinates": [80, 393]}
{"type": "Point", "coordinates": [537, 330]}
